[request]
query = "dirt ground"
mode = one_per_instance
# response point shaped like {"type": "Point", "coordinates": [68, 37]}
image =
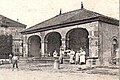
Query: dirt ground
{"type": "Point", "coordinates": [43, 71]}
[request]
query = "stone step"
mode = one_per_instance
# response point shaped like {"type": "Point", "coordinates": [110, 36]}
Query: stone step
{"type": "Point", "coordinates": [41, 60]}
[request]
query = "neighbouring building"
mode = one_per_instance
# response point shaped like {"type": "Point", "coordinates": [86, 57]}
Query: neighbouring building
{"type": "Point", "coordinates": [97, 34]}
{"type": "Point", "coordinates": [13, 28]}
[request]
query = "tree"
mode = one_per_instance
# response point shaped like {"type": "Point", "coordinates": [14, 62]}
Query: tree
{"type": "Point", "coordinates": [5, 46]}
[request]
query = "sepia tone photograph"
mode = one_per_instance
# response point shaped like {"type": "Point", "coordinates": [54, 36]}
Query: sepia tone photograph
{"type": "Point", "coordinates": [59, 40]}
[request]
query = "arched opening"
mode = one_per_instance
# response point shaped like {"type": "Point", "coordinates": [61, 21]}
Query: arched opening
{"type": "Point", "coordinates": [114, 51]}
{"type": "Point", "coordinates": [77, 38]}
{"type": "Point", "coordinates": [34, 46]}
{"type": "Point", "coordinates": [53, 42]}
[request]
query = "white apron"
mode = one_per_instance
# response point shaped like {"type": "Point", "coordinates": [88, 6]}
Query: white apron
{"type": "Point", "coordinates": [72, 53]}
{"type": "Point", "coordinates": [82, 56]}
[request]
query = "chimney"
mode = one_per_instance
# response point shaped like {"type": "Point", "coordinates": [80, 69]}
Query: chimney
{"type": "Point", "coordinates": [17, 20]}
{"type": "Point", "coordinates": [82, 5]}
{"type": "Point", "coordinates": [60, 11]}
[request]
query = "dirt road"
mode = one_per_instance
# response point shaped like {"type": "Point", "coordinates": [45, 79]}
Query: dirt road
{"type": "Point", "coordinates": [46, 72]}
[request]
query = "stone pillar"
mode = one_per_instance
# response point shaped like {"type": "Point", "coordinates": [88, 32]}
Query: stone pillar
{"type": "Point", "coordinates": [42, 47]}
{"type": "Point", "coordinates": [45, 47]}
{"type": "Point", "coordinates": [25, 46]}
{"type": "Point", "coordinates": [63, 34]}
{"type": "Point", "coordinates": [26, 50]}
{"type": "Point", "coordinates": [56, 64]}
{"type": "Point", "coordinates": [63, 43]}
{"type": "Point", "coordinates": [42, 35]}
{"type": "Point", "coordinates": [93, 46]}
{"type": "Point", "coordinates": [94, 49]}
{"type": "Point", "coordinates": [90, 47]}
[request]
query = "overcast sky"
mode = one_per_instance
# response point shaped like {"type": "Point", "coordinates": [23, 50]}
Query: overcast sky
{"type": "Point", "coordinates": [31, 12]}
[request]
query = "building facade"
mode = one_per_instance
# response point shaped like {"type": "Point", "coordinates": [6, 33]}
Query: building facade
{"type": "Point", "coordinates": [95, 33]}
{"type": "Point", "coordinates": [11, 27]}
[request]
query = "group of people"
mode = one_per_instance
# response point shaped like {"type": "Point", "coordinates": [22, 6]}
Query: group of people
{"type": "Point", "coordinates": [78, 57]}
{"type": "Point", "coordinates": [74, 57]}
{"type": "Point", "coordinates": [14, 60]}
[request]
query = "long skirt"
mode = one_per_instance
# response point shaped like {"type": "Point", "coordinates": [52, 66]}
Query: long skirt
{"type": "Point", "coordinates": [82, 59]}
{"type": "Point", "coordinates": [72, 59]}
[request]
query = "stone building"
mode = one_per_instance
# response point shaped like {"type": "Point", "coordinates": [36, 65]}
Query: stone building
{"type": "Point", "coordinates": [11, 27]}
{"type": "Point", "coordinates": [97, 34]}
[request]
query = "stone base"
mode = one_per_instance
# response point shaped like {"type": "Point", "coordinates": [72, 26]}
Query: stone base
{"type": "Point", "coordinates": [92, 62]}
{"type": "Point", "coordinates": [56, 64]}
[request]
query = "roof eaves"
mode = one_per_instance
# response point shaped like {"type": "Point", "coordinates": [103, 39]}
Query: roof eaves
{"type": "Point", "coordinates": [61, 25]}
{"type": "Point", "coordinates": [109, 20]}
{"type": "Point", "coordinates": [97, 17]}
{"type": "Point", "coordinates": [23, 25]}
{"type": "Point", "coordinates": [52, 18]}
{"type": "Point", "coordinates": [42, 22]}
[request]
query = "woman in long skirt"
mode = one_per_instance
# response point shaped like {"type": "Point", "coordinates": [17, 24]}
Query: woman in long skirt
{"type": "Point", "coordinates": [77, 57]}
{"type": "Point", "coordinates": [82, 56]}
{"type": "Point", "coordinates": [72, 54]}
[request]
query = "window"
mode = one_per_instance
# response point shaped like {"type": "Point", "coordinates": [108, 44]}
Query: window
{"type": "Point", "coordinates": [16, 48]}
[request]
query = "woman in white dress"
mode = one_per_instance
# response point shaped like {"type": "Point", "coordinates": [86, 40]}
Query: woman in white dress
{"type": "Point", "coordinates": [72, 54]}
{"type": "Point", "coordinates": [82, 56]}
{"type": "Point", "coordinates": [77, 57]}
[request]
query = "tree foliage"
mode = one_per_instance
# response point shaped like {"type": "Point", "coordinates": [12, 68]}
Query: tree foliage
{"type": "Point", "coordinates": [5, 46]}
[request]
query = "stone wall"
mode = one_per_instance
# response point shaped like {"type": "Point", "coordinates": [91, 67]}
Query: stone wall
{"type": "Point", "coordinates": [106, 35]}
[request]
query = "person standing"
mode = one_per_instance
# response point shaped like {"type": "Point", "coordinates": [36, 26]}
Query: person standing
{"type": "Point", "coordinates": [15, 62]}
{"type": "Point", "coordinates": [61, 56]}
{"type": "Point", "coordinates": [10, 58]}
{"type": "Point", "coordinates": [56, 60]}
{"type": "Point", "coordinates": [55, 54]}
{"type": "Point", "coordinates": [77, 57]}
{"type": "Point", "coordinates": [72, 54]}
{"type": "Point", "coordinates": [82, 56]}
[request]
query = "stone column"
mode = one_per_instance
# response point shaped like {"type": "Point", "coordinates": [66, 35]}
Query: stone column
{"type": "Point", "coordinates": [94, 48]}
{"type": "Point", "coordinates": [63, 34]}
{"type": "Point", "coordinates": [56, 64]}
{"type": "Point", "coordinates": [67, 42]}
{"type": "Point", "coordinates": [25, 46]}
{"type": "Point", "coordinates": [45, 47]}
{"type": "Point", "coordinates": [63, 43]}
{"type": "Point", "coordinates": [25, 53]}
{"type": "Point", "coordinates": [90, 42]}
{"type": "Point", "coordinates": [28, 48]}
{"type": "Point", "coordinates": [42, 47]}
{"type": "Point", "coordinates": [42, 35]}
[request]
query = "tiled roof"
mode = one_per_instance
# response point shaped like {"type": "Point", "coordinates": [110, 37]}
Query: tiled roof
{"type": "Point", "coordinates": [72, 16]}
{"type": "Point", "coordinates": [10, 23]}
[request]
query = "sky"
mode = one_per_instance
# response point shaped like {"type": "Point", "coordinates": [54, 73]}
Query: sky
{"type": "Point", "coordinates": [31, 12]}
